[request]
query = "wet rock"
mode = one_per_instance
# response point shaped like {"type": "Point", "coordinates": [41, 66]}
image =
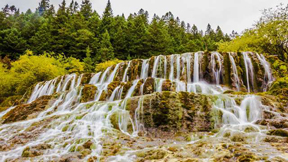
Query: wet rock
{"type": "Point", "coordinates": [88, 93]}
{"type": "Point", "coordinates": [22, 112]}
{"type": "Point", "coordinates": [86, 78]}
{"type": "Point", "coordinates": [152, 154]}
{"type": "Point", "coordinates": [278, 132]}
{"type": "Point", "coordinates": [28, 152]}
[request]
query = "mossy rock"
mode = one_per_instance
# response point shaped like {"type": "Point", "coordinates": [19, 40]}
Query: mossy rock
{"type": "Point", "coordinates": [86, 78]}
{"type": "Point", "coordinates": [153, 154]}
{"type": "Point", "coordinates": [88, 93]}
{"type": "Point", "coordinates": [278, 132]}
{"type": "Point", "coordinates": [246, 158]}
{"type": "Point", "coordinates": [22, 112]}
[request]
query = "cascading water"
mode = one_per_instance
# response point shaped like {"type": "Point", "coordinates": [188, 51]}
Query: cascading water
{"type": "Point", "coordinates": [196, 67]}
{"type": "Point", "coordinates": [235, 72]}
{"type": "Point", "coordinates": [216, 69]}
{"type": "Point", "coordinates": [249, 70]}
{"type": "Point", "coordinates": [67, 124]}
{"type": "Point", "coordinates": [268, 78]}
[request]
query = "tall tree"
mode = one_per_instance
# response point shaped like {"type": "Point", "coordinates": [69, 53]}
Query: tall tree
{"type": "Point", "coordinates": [106, 51]}
{"type": "Point", "coordinates": [86, 9]}
{"type": "Point", "coordinates": [43, 6]}
{"type": "Point", "coordinates": [158, 38]}
{"type": "Point", "coordinates": [107, 19]}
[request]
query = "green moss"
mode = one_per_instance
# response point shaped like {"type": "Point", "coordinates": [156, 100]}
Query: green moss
{"type": "Point", "coordinates": [152, 154]}
{"type": "Point", "coordinates": [227, 70]}
{"type": "Point", "coordinates": [88, 93]}
{"type": "Point", "coordinates": [278, 132]}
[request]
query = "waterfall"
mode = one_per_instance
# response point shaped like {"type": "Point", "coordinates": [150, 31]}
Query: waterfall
{"type": "Point", "coordinates": [178, 66]}
{"type": "Point", "coordinates": [268, 78]}
{"type": "Point", "coordinates": [132, 88]}
{"type": "Point", "coordinates": [104, 75]}
{"type": "Point", "coordinates": [188, 60]}
{"type": "Point", "coordinates": [165, 67]}
{"type": "Point", "coordinates": [249, 70]}
{"type": "Point", "coordinates": [171, 75]}
{"type": "Point", "coordinates": [112, 75]}
{"type": "Point", "coordinates": [216, 71]}
{"type": "Point", "coordinates": [155, 67]}
{"type": "Point", "coordinates": [113, 95]}
{"type": "Point", "coordinates": [95, 78]}
{"type": "Point", "coordinates": [196, 68]}
{"type": "Point", "coordinates": [66, 124]}
{"type": "Point", "coordinates": [235, 72]}
{"type": "Point", "coordinates": [159, 84]}
{"type": "Point", "coordinates": [125, 77]}
{"type": "Point", "coordinates": [144, 69]}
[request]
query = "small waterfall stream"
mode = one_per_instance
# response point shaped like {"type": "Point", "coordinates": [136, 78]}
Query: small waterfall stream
{"type": "Point", "coordinates": [235, 72]}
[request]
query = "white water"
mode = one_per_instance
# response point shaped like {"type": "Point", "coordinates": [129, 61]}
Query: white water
{"type": "Point", "coordinates": [196, 67]}
{"type": "Point", "coordinates": [235, 72]}
{"type": "Point", "coordinates": [268, 78]}
{"type": "Point", "coordinates": [216, 71]}
{"type": "Point", "coordinates": [144, 69]}
{"type": "Point", "coordinates": [178, 66]}
{"type": "Point", "coordinates": [249, 70]}
{"type": "Point", "coordinates": [125, 77]}
{"type": "Point", "coordinates": [155, 66]}
{"type": "Point", "coordinates": [171, 75]}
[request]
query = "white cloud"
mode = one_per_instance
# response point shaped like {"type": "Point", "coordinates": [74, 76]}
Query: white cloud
{"type": "Point", "coordinates": [228, 14]}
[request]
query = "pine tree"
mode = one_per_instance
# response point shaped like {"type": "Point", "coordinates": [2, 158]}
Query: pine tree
{"type": "Point", "coordinates": [43, 6]}
{"type": "Point", "coordinates": [106, 51]}
{"type": "Point", "coordinates": [86, 9]}
{"type": "Point", "coordinates": [12, 43]}
{"type": "Point", "coordinates": [158, 38]}
{"type": "Point", "coordinates": [219, 34]}
{"type": "Point", "coordinates": [88, 61]}
{"type": "Point", "coordinates": [107, 19]}
{"type": "Point", "coordinates": [137, 36]}
{"type": "Point", "coordinates": [120, 38]}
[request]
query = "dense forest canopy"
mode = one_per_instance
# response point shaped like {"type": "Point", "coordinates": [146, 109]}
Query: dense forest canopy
{"type": "Point", "coordinates": [75, 28]}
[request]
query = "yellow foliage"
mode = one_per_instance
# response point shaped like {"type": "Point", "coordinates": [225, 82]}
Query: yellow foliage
{"type": "Point", "coordinates": [249, 41]}
{"type": "Point", "coordinates": [30, 69]}
{"type": "Point", "coordinates": [104, 65]}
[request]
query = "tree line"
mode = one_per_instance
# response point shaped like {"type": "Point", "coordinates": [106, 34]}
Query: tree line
{"type": "Point", "coordinates": [76, 30]}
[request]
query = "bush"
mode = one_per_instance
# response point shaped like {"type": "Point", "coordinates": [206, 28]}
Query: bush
{"type": "Point", "coordinates": [104, 65]}
{"type": "Point", "coordinates": [30, 69]}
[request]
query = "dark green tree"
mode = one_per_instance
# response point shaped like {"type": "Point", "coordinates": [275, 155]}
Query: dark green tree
{"type": "Point", "coordinates": [86, 9]}
{"type": "Point", "coordinates": [43, 6]}
{"type": "Point", "coordinates": [106, 51]}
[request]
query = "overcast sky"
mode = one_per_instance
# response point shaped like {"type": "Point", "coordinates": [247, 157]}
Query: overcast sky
{"type": "Point", "coordinates": [228, 14]}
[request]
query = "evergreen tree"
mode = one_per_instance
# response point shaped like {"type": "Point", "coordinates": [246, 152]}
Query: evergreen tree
{"type": "Point", "coordinates": [219, 34]}
{"type": "Point", "coordinates": [106, 51]}
{"type": "Point", "coordinates": [86, 9]}
{"type": "Point", "coordinates": [158, 38]}
{"type": "Point", "coordinates": [43, 6]}
{"type": "Point", "coordinates": [88, 61]}
{"type": "Point", "coordinates": [12, 43]}
{"type": "Point", "coordinates": [120, 38]}
{"type": "Point", "coordinates": [107, 19]}
{"type": "Point", "coordinates": [137, 36]}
